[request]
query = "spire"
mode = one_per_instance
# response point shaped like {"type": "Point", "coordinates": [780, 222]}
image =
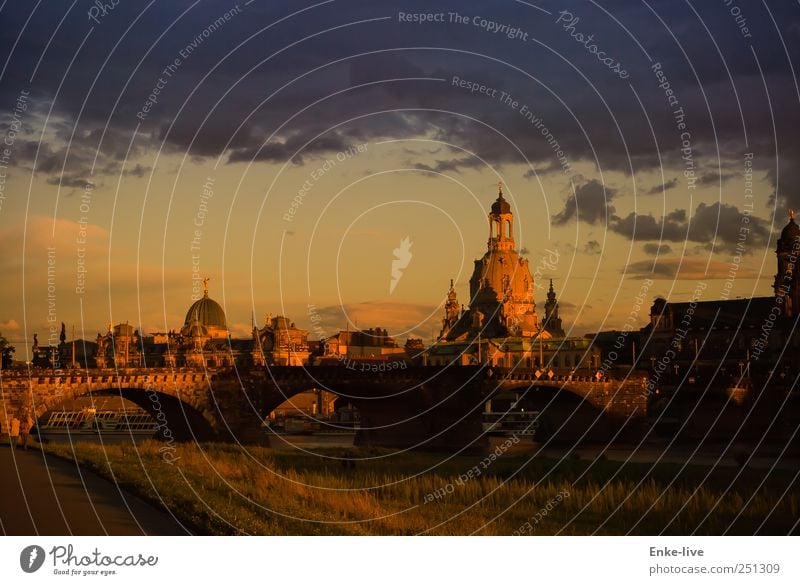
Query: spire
{"type": "Point", "coordinates": [452, 297]}
{"type": "Point", "coordinates": [205, 287]}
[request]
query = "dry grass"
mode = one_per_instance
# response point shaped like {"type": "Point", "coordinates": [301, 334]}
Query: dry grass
{"type": "Point", "coordinates": [221, 489]}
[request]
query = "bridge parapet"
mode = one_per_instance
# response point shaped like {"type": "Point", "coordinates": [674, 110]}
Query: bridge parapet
{"type": "Point", "coordinates": [405, 403]}
{"type": "Point", "coordinates": [621, 398]}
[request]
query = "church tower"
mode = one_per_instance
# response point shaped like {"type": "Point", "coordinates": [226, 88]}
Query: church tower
{"type": "Point", "coordinates": [501, 287]}
{"type": "Point", "coordinates": [501, 224]}
{"type": "Point", "coordinates": [787, 279]}
{"type": "Point", "coordinates": [452, 311]}
{"type": "Point", "coordinates": [552, 322]}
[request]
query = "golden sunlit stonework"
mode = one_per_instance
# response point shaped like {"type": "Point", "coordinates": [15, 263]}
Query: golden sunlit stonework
{"type": "Point", "coordinates": [501, 325]}
{"type": "Point", "coordinates": [501, 288]}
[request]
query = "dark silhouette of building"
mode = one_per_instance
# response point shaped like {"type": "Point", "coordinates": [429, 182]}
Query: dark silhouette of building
{"type": "Point", "coordinates": [552, 322]}
{"type": "Point", "coordinates": [728, 342]}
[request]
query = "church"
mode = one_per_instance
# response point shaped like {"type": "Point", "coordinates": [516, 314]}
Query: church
{"type": "Point", "coordinates": [204, 341]}
{"type": "Point", "coordinates": [500, 326]}
{"type": "Point", "coordinates": [727, 342]}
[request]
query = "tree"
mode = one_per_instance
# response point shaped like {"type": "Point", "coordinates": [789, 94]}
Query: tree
{"type": "Point", "coordinates": [6, 350]}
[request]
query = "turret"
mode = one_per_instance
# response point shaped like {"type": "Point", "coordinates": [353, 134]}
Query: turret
{"type": "Point", "coordinates": [501, 223]}
{"type": "Point", "coordinates": [787, 279]}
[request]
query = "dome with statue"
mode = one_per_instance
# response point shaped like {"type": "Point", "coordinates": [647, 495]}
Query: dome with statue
{"type": "Point", "coordinates": [205, 318]}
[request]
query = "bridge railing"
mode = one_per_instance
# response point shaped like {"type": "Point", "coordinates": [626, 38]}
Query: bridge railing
{"type": "Point", "coordinates": [558, 375]}
{"type": "Point", "coordinates": [103, 376]}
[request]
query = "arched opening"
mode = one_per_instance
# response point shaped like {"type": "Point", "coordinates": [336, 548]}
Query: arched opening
{"type": "Point", "coordinates": [128, 415]}
{"type": "Point", "coordinates": [313, 418]}
{"type": "Point", "coordinates": [544, 414]}
{"type": "Point", "coordinates": [508, 229]}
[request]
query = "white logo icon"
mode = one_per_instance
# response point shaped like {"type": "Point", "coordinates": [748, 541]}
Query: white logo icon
{"type": "Point", "coordinates": [31, 558]}
{"type": "Point", "coordinates": [402, 259]}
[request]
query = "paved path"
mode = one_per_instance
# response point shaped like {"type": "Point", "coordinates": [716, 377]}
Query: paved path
{"type": "Point", "coordinates": [45, 495]}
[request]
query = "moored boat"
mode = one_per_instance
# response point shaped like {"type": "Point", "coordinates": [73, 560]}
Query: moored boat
{"type": "Point", "coordinates": [91, 424]}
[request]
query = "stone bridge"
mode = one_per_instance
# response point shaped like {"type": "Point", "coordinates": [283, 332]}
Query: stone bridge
{"type": "Point", "coordinates": [619, 399]}
{"type": "Point", "coordinates": [433, 406]}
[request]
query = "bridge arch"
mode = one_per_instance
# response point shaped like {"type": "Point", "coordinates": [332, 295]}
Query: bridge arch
{"type": "Point", "coordinates": [564, 414]}
{"type": "Point", "coordinates": [175, 419]}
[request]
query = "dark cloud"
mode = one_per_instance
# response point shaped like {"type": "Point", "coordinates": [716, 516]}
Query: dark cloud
{"type": "Point", "coordinates": [652, 249]}
{"type": "Point", "coordinates": [714, 178]}
{"type": "Point", "coordinates": [589, 202]}
{"type": "Point", "coordinates": [76, 182]}
{"type": "Point", "coordinates": [718, 225]}
{"type": "Point", "coordinates": [592, 248]}
{"type": "Point", "coordinates": [685, 268]}
{"type": "Point", "coordinates": [649, 269]}
{"type": "Point", "coordinates": [452, 165]}
{"type": "Point", "coordinates": [658, 190]}
{"type": "Point", "coordinates": [218, 104]}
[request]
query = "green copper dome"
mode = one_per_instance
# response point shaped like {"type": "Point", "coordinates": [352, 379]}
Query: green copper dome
{"type": "Point", "coordinates": [206, 312]}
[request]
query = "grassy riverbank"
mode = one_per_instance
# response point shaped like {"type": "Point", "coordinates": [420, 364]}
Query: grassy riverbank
{"type": "Point", "coordinates": [223, 489]}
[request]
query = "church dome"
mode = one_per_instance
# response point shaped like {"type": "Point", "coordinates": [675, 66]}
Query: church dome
{"type": "Point", "coordinates": [196, 330]}
{"type": "Point", "coordinates": [501, 206]}
{"type": "Point", "coordinates": [791, 231]}
{"type": "Point", "coordinates": [206, 312]}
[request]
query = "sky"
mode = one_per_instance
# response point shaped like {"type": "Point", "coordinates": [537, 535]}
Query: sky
{"type": "Point", "coordinates": [286, 150]}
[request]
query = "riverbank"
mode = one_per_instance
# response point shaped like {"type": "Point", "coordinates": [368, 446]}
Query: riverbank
{"type": "Point", "coordinates": [225, 489]}
{"type": "Point", "coordinates": [48, 495]}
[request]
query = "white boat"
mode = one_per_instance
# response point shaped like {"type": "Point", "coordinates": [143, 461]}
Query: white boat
{"type": "Point", "coordinates": [90, 424]}
{"type": "Point", "coordinates": [519, 422]}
